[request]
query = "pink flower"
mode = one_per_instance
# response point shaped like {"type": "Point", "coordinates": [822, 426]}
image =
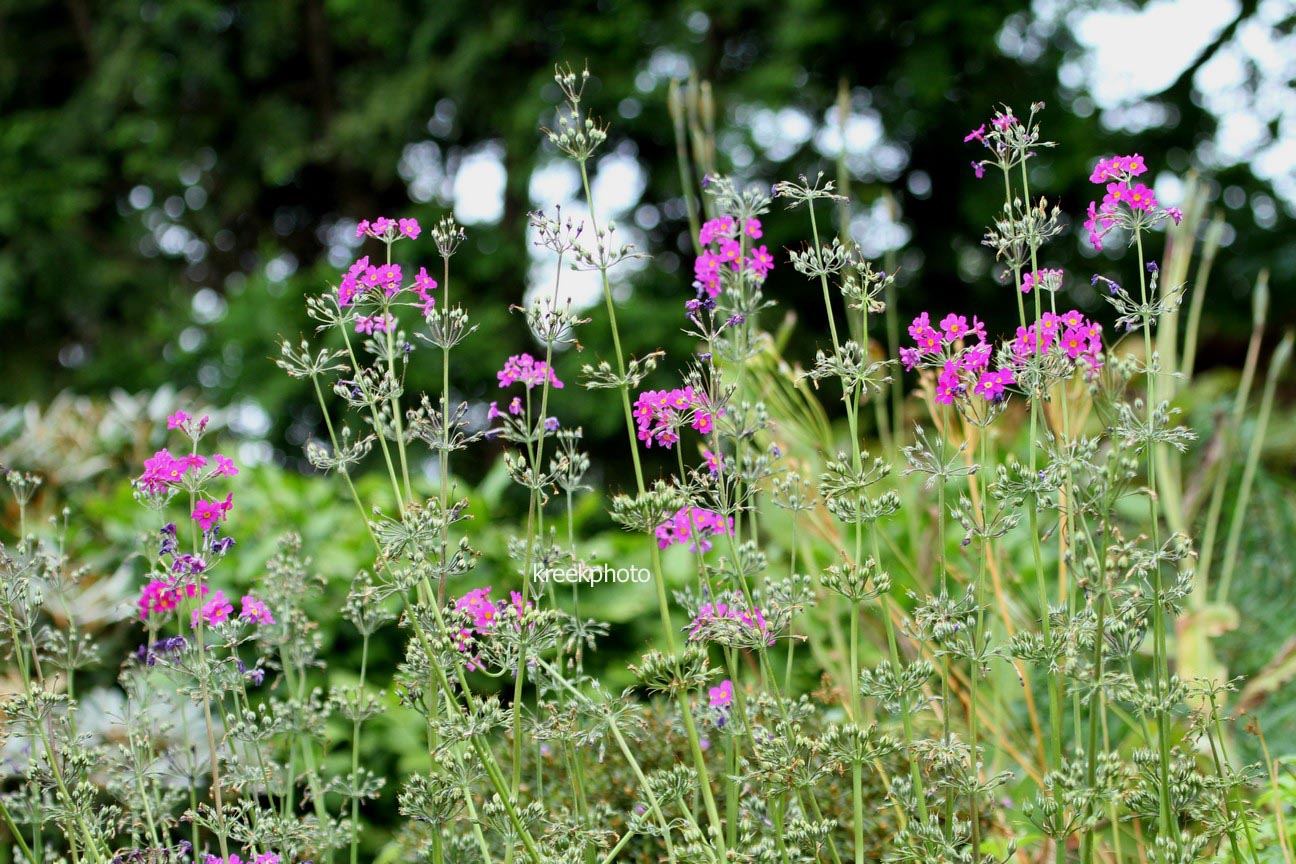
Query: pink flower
{"type": "Point", "coordinates": [350, 287]}
{"type": "Point", "coordinates": [208, 513]}
{"type": "Point", "coordinates": [977, 357]}
{"type": "Point", "coordinates": [990, 386]}
{"type": "Point", "coordinates": [1105, 170]}
{"type": "Point", "coordinates": [515, 407]}
{"type": "Point", "coordinates": [1049, 279]}
{"type": "Point", "coordinates": [410, 228]}
{"type": "Point", "coordinates": [493, 412]}
{"type": "Point", "coordinates": [730, 253]}
{"type": "Point", "coordinates": [176, 420]}
{"type": "Point", "coordinates": [658, 412]}
{"type": "Point", "coordinates": [1116, 193]}
{"type": "Point", "coordinates": [1074, 342]}
{"type": "Point", "coordinates": [362, 228]}
{"type": "Point", "coordinates": [948, 384]}
{"type": "Point", "coordinates": [733, 609]}
{"type": "Point", "coordinates": [215, 611]}
{"type": "Point", "coordinates": [929, 341]}
{"type": "Point", "coordinates": [978, 168]}
{"type": "Point", "coordinates": [1098, 223]}
{"type": "Point", "coordinates": [224, 466]}
{"type": "Point", "coordinates": [423, 287]}
{"type": "Point", "coordinates": [528, 370]}
{"type": "Point", "coordinates": [1175, 213]}
{"type": "Point", "coordinates": [706, 273]}
{"type": "Point", "coordinates": [1142, 198]}
{"type": "Point", "coordinates": [752, 228]}
{"type": "Point", "coordinates": [375, 324]}
{"type": "Point", "coordinates": [910, 357]}
{"type": "Point", "coordinates": [761, 262]}
{"type": "Point", "coordinates": [1118, 168]}
{"type": "Point", "coordinates": [954, 327]}
{"type": "Point", "coordinates": [255, 611]}
{"type": "Point", "coordinates": [162, 470]}
{"type": "Point", "coordinates": [716, 228]}
{"type": "Point", "coordinates": [1003, 122]}
{"type": "Point", "coordinates": [381, 225]}
{"type": "Point", "coordinates": [977, 134]}
{"type": "Point", "coordinates": [721, 697]}
{"type": "Point", "coordinates": [694, 526]}
{"type": "Point", "coordinates": [714, 461]}
{"type": "Point", "coordinates": [389, 277]}
{"type": "Point", "coordinates": [159, 597]}
{"type": "Point", "coordinates": [477, 605]}
{"type": "Point", "coordinates": [920, 324]}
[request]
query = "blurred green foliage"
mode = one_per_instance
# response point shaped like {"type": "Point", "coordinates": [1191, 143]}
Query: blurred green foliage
{"type": "Point", "coordinates": [170, 171]}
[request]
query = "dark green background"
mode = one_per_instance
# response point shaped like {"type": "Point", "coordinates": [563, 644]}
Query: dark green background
{"type": "Point", "coordinates": [290, 115]}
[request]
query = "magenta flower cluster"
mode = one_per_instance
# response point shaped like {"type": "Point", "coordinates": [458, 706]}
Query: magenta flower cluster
{"type": "Point", "coordinates": [1117, 174]}
{"type": "Point", "coordinates": [388, 230]}
{"type": "Point", "coordinates": [1071, 333]}
{"type": "Point", "coordinates": [366, 279]}
{"type": "Point", "coordinates": [964, 367]}
{"type": "Point", "coordinates": [159, 598]}
{"type": "Point", "coordinates": [526, 369]}
{"type": "Point", "coordinates": [723, 245]}
{"type": "Point", "coordinates": [659, 413]}
{"type": "Point", "coordinates": [993, 140]}
{"type": "Point", "coordinates": [263, 858]}
{"type": "Point", "coordinates": [1046, 279]}
{"type": "Point", "coordinates": [694, 526]}
{"type": "Point", "coordinates": [483, 616]}
{"type": "Point", "coordinates": [738, 611]}
{"type": "Point", "coordinates": [963, 364]}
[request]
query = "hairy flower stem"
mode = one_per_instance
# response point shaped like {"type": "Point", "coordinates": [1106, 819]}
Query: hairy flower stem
{"type": "Point", "coordinates": [535, 530]}
{"type": "Point", "coordinates": [377, 422]}
{"type": "Point", "coordinates": [1046, 625]}
{"type": "Point", "coordinates": [906, 716]}
{"type": "Point", "coordinates": [1160, 662]}
{"type": "Point", "coordinates": [443, 460]}
{"type": "Point", "coordinates": [355, 750]}
{"type": "Point", "coordinates": [663, 605]}
{"type": "Point", "coordinates": [24, 673]}
{"type": "Point", "coordinates": [397, 421]}
{"type": "Point", "coordinates": [204, 685]}
{"type": "Point", "coordinates": [617, 735]}
{"type": "Point", "coordinates": [17, 837]}
{"type": "Point", "coordinates": [1055, 684]}
{"type": "Point", "coordinates": [978, 639]}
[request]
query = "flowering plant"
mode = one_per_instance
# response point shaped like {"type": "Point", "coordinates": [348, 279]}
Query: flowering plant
{"type": "Point", "coordinates": [835, 676]}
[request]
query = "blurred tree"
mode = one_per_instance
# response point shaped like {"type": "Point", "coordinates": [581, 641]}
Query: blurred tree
{"type": "Point", "coordinates": [174, 176]}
